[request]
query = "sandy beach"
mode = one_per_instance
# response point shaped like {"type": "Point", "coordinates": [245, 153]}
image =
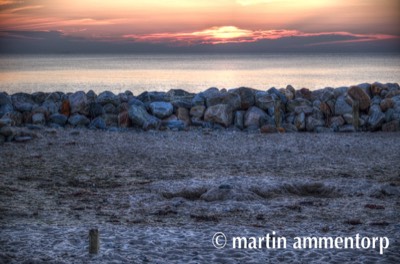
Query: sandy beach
{"type": "Point", "coordinates": [159, 196]}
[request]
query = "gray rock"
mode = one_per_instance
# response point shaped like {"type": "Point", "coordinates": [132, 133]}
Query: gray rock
{"type": "Point", "coordinates": [336, 122]}
{"type": "Point", "coordinates": [348, 118]}
{"type": "Point", "coordinates": [300, 121]}
{"type": "Point", "coordinates": [292, 104]}
{"type": "Point", "coordinates": [312, 123]}
{"type": "Point", "coordinates": [289, 127]}
{"type": "Point", "coordinates": [247, 99]}
{"type": "Point", "coordinates": [108, 97]}
{"type": "Point", "coordinates": [78, 120]}
{"type": "Point", "coordinates": [264, 100]}
{"type": "Point", "coordinates": [8, 132]}
{"type": "Point", "coordinates": [280, 95]}
{"type": "Point", "coordinates": [376, 118]}
{"type": "Point", "coordinates": [140, 117]}
{"type": "Point", "coordinates": [98, 123]}
{"type": "Point", "coordinates": [220, 114]}
{"type": "Point", "coordinates": [239, 119]}
{"type": "Point", "coordinates": [175, 125]}
{"type": "Point", "coordinates": [197, 111]}
{"type": "Point", "coordinates": [39, 97]}
{"type": "Point", "coordinates": [54, 97]}
{"type": "Point", "coordinates": [149, 97]}
{"type": "Point", "coordinates": [161, 109]}
{"type": "Point", "coordinates": [22, 102]}
{"type": "Point", "coordinates": [389, 115]}
{"type": "Point", "coordinates": [180, 98]}
{"type": "Point", "coordinates": [51, 106]}
{"type": "Point", "coordinates": [135, 101]}
{"type": "Point", "coordinates": [230, 99]}
{"type": "Point", "coordinates": [16, 118]}
{"type": "Point", "coordinates": [253, 117]}
{"type": "Point", "coordinates": [95, 110]}
{"type": "Point", "coordinates": [340, 91]}
{"type": "Point", "coordinates": [58, 119]}
{"type": "Point", "coordinates": [5, 104]}
{"type": "Point", "coordinates": [78, 103]}
{"type": "Point", "coordinates": [5, 121]}
{"type": "Point", "coordinates": [38, 119]}
{"type": "Point", "coordinates": [91, 97]}
{"type": "Point", "coordinates": [110, 109]}
{"type": "Point", "coordinates": [342, 107]}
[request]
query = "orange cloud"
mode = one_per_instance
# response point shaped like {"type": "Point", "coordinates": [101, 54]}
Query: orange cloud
{"type": "Point", "coordinates": [232, 34]}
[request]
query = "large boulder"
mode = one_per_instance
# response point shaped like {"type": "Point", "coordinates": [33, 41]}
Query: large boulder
{"type": "Point", "coordinates": [247, 99]}
{"type": "Point", "coordinates": [5, 104]}
{"type": "Point", "coordinates": [358, 94]}
{"type": "Point", "coordinates": [58, 119]}
{"type": "Point", "coordinates": [161, 109]}
{"type": "Point", "coordinates": [230, 99]}
{"type": "Point", "coordinates": [38, 119]}
{"type": "Point", "coordinates": [98, 123]}
{"type": "Point", "coordinates": [292, 104]}
{"type": "Point", "coordinates": [392, 126]}
{"type": "Point", "coordinates": [376, 118]}
{"type": "Point", "coordinates": [239, 119]}
{"type": "Point", "coordinates": [386, 104]}
{"type": "Point", "coordinates": [78, 103]}
{"type": "Point", "coordinates": [149, 97]}
{"type": "Point", "coordinates": [22, 102]}
{"type": "Point", "coordinates": [278, 94]}
{"type": "Point", "coordinates": [78, 120]}
{"type": "Point", "coordinates": [312, 123]}
{"type": "Point", "coordinates": [180, 98]}
{"type": "Point", "coordinates": [95, 110]}
{"type": "Point", "coordinates": [16, 118]}
{"type": "Point", "coordinates": [254, 116]}
{"type": "Point", "coordinates": [108, 97]}
{"type": "Point", "coordinates": [300, 121]}
{"type": "Point", "coordinates": [342, 107]}
{"type": "Point", "coordinates": [219, 114]}
{"type": "Point", "coordinates": [264, 100]}
{"type": "Point", "coordinates": [140, 117]}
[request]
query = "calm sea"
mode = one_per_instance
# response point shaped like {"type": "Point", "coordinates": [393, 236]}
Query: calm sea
{"type": "Point", "coordinates": [118, 73]}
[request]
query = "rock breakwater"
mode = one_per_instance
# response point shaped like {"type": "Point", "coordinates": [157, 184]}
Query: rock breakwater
{"type": "Point", "coordinates": [363, 107]}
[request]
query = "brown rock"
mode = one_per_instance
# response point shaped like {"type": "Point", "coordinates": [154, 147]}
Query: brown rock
{"type": "Point", "coordinates": [65, 108]}
{"type": "Point", "coordinates": [392, 126]}
{"type": "Point", "coordinates": [268, 129]}
{"type": "Point", "coordinates": [306, 93]}
{"type": "Point", "coordinates": [183, 114]}
{"type": "Point", "coordinates": [124, 120]}
{"type": "Point", "coordinates": [197, 111]}
{"type": "Point", "coordinates": [356, 93]}
{"type": "Point", "coordinates": [386, 104]}
{"type": "Point", "coordinates": [377, 88]}
{"type": "Point", "coordinates": [325, 109]}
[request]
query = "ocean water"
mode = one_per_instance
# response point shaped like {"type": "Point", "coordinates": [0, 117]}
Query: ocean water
{"type": "Point", "coordinates": [138, 73]}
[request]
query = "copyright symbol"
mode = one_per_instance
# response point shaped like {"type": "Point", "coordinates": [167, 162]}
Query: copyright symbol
{"type": "Point", "coordinates": [219, 240]}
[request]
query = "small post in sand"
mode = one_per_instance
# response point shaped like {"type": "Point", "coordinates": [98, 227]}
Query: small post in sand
{"type": "Point", "coordinates": [356, 114]}
{"type": "Point", "coordinates": [94, 241]}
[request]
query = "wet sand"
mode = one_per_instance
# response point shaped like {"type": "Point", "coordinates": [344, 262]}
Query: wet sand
{"type": "Point", "coordinates": [158, 197]}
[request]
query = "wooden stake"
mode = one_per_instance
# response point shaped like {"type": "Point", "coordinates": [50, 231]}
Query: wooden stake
{"type": "Point", "coordinates": [94, 241]}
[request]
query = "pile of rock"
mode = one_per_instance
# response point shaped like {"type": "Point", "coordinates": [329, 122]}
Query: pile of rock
{"type": "Point", "coordinates": [365, 107]}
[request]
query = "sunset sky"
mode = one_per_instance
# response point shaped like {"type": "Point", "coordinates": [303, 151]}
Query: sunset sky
{"type": "Point", "coordinates": [173, 23]}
